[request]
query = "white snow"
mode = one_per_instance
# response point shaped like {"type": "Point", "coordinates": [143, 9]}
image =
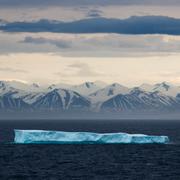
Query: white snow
{"type": "Point", "coordinates": [88, 87]}
{"type": "Point", "coordinates": [108, 92]}
{"type": "Point", "coordinates": [164, 87]}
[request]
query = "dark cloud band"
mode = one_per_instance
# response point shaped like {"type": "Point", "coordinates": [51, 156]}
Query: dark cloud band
{"type": "Point", "coordinates": [132, 25]}
{"type": "Point", "coordinates": [11, 3]}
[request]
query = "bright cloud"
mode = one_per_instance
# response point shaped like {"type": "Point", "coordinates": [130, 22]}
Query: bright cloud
{"type": "Point", "coordinates": [48, 68]}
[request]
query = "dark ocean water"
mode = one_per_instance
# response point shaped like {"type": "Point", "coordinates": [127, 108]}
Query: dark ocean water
{"type": "Point", "coordinates": [99, 162]}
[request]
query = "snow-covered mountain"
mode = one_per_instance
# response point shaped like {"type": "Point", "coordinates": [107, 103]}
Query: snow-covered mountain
{"type": "Point", "coordinates": [59, 86]}
{"type": "Point", "coordinates": [147, 87]}
{"type": "Point", "coordinates": [108, 92]}
{"type": "Point", "coordinates": [164, 87]}
{"type": "Point", "coordinates": [88, 87]}
{"type": "Point", "coordinates": [61, 99]}
{"type": "Point", "coordinates": [10, 103]}
{"type": "Point", "coordinates": [29, 93]}
{"type": "Point", "coordinates": [91, 96]}
{"type": "Point", "coordinates": [5, 86]}
{"type": "Point", "coordinates": [28, 97]}
{"type": "Point", "coordinates": [139, 100]}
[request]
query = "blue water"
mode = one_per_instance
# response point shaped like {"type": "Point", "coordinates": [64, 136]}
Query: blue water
{"type": "Point", "coordinates": [113, 161]}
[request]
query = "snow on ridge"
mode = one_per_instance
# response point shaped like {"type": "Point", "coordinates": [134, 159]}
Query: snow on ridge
{"type": "Point", "coordinates": [108, 92]}
{"type": "Point", "coordinates": [155, 95]}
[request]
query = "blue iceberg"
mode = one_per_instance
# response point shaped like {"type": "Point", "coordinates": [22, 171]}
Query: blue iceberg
{"type": "Point", "coordinates": [60, 137]}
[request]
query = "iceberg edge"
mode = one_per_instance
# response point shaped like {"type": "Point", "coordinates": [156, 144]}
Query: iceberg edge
{"type": "Point", "coordinates": [61, 137]}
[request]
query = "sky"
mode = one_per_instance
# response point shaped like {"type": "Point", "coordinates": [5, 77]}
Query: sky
{"type": "Point", "coordinates": [56, 41]}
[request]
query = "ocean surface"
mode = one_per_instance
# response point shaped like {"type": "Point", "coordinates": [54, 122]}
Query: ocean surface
{"type": "Point", "coordinates": [99, 162]}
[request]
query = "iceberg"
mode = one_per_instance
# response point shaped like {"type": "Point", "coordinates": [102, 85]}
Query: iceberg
{"type": "Point", "coordinates": [60, 137]}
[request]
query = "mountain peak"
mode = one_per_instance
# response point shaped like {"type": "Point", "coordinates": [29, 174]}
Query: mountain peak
{"type": "Point", "coordinates": [89, 84]}
{"type": "Point", "coordinates": [137, 90]}
{"type": "Point", "coordinates": [52, 86]}
{"type": "Point", "coordinates": [115, 84]}
{"type": "Point", "coordinates": [2, 84]}
{"type": "Point", "coordinates": [166, 86]}
{"type": "Point", "coordinates": [35, 85]}
{"type": "Point", "coordinates": [87, 88]}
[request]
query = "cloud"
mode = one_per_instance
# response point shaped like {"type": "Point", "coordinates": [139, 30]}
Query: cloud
{"type": "Point", "coordinates": [11, 3]}
{"type": "Point", "coordinates": [128, 71]}
{"type": "Point", "coordinates": [84, 70]}
{"type": "Point", "coordinates": [60, 43]}
{"type": "Point", "coordinates": [133, 25]}
{"type": "Point", "coordinates": [89, 45]}
{"type": "Point", "coordinates": [12, 70]}
{"type": "Point", "coordinates": [79, 70]}
{"type": "Point", "coordinates": [107, 45]}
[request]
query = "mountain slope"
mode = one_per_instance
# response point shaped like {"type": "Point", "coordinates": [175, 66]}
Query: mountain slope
{"type": "Point", "coordinates": [59, 86]}
{"type": "Point", "coordinates": [61, 99]}
{"type": "Point", "coordinates": [10, 85]}
{"type": "Point", "coordinates": [9, 103]}
{"type": "Point", "coordinates": [108, 92]}
{"type": "Point", "coordinates": [115, 97]}
{"type": "Point", "coordinates": [165, 88]}
{"type": "Point", "coordinates": [88, 87]}
{"type": "Point", "coordinates": [17, 90]}
{"type": "Point", "coordinates": [138, 100]}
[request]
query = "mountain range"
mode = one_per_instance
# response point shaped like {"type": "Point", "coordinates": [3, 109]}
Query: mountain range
{"type": "Point", "coordinates": [89, 96]}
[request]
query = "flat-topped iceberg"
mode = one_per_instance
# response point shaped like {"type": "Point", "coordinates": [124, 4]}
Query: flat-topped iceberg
{"type": "Point", "coordinates": [60, 137]}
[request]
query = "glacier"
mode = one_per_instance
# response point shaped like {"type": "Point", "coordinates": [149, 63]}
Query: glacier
{"type": "Point", "coordinates": [61, 137]}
